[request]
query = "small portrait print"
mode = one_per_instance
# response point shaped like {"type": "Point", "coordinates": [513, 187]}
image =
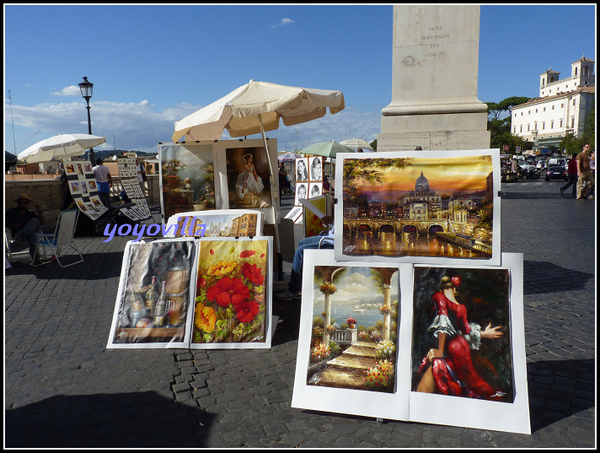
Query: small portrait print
{"type": "Point", "coordinates": [301, 193]}
{"type": "Point", "coordinates": [315, 190]}
{"type": "Point", "coordinates": [84, 188]}
{"type": "Point", "coordinates": [302, 169]}
{"type": "Point", "coordinates": [92, 185]}
{"type": "Point", "coordinates": [75, 188]}
{"type": "Point", "coordinates": [96, 200]}
{"type": "Point", "coordinates": [316, 169]}
{"type": "Point", "coordinates": [70, 169]}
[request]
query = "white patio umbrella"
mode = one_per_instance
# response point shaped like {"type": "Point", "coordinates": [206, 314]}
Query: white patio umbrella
{"type": "Point", "coordinates": [61, 146]}
{"type": "Point", "coordinates": [257, 107]}
{"type": "Point", "coordinates": [356, 143]}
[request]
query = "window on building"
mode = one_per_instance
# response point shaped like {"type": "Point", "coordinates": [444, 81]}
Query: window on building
{"type": "Point", "coordinates": [551, 124]}
{"type": "Point", "coordinates": [543, 125]}
{"type": "Point", "coordinates": [561, 123]}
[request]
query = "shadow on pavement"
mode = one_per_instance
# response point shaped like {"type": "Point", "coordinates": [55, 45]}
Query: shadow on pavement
{"type": "Point", "coordinates": [107, 420]}
{"type": "Point", "coordinates": [544, 277]}
{"type": "Point", "coordinates": [95, 266]}
{"type": "Point", "coordinates": [559, 389]}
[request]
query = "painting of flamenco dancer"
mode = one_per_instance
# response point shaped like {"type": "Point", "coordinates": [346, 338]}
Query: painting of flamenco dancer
{"type": "Point", "coordinates": [248, 178]}
{"type": "Point", "coordinates": [461, 343]}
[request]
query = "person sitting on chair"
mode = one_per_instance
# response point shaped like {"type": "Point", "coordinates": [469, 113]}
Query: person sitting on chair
{"type": "Point", "coordinates": [25, 224]}
{"type": "Point", "coordinates": [324, 241]}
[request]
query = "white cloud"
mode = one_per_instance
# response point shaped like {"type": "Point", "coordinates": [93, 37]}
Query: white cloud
{"type": "Point", "coordinates": [284, 21]}
{"type": "Point", "coordinates": [68, 91]}
{"type": "Point", "coordinates": [138, 125]}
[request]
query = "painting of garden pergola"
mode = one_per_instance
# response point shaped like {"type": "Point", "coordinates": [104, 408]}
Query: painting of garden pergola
{"type": "Point", "coordinates": [354, 328]}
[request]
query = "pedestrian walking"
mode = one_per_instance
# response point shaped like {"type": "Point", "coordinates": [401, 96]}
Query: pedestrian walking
{"type": "Point", "coordinates": [572, 175]}
{"type": "Point", "coordinates": [585, 181]}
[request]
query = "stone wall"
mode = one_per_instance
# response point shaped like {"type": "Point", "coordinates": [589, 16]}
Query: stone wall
{"type": "Point", "coordinates": [48, 194]}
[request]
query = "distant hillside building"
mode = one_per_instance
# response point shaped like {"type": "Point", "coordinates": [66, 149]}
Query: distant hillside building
{"type": "Point", "coordinates": [561, 108]}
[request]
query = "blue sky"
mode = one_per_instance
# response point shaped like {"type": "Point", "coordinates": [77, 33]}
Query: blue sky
{"type": "Point", "coordinates": [152, 65]}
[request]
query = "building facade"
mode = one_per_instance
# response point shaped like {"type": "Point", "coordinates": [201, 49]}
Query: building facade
{"type": "Point", "coordinates": [561, 108]}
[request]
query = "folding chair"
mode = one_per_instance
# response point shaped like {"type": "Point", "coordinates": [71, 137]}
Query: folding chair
{"type": "Point", "coordinates": [62, 237]}
{"type": "Point", "coordinates": [10, 248]}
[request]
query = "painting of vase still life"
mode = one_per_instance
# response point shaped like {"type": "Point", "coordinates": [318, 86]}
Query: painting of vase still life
{"type": "Point", "coordinates": [354, 328]}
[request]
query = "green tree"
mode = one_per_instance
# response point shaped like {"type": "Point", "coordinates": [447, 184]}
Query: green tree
{"type": "Point", "coordinates": [499, 128]}
{"type": "Point", "coordinates": [589, 130]}
{"type": "Point", "coordinates": [497, 109]}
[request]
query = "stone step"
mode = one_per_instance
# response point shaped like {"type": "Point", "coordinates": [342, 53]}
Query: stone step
{"type": "Point", "coordinates": [361, 350]}
{"type": "Point", "coordinates": [341, 378]}
{"type": "Point", "coordinates": [351, 362]}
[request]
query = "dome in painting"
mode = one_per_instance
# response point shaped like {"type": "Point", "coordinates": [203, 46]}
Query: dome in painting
{"type": "Point", "coordinates": [422, 184]}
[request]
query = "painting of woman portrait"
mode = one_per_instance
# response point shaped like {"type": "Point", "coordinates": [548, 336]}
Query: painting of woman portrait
{"type": "Point", "coordinates": [248, 178]}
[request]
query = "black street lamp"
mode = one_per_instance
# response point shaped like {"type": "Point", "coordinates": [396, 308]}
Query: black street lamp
{"type": "Point", "coordinates": [87, 88]}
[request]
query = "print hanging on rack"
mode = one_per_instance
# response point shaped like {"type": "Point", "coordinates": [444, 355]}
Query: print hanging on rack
{"type": "Point", "coordinates": [128, 175]}
{"type": "Point", "coordinates": [83, 188]}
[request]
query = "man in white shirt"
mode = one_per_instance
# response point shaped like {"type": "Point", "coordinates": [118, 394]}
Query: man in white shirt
{"type": "Point", "coordinates": [104, 180]}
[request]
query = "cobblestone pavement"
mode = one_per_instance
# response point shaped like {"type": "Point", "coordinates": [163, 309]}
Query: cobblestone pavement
{"type": "Point", "coordinates": [63, 388]}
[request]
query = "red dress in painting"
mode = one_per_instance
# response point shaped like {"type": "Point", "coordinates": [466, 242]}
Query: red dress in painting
{"type": "Point", "coordinates": [454, 374]}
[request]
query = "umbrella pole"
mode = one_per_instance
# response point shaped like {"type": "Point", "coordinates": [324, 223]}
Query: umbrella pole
{"type": "Point", "coordinates": [275, 198]}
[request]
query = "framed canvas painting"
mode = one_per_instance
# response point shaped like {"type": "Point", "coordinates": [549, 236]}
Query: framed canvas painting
{"type": "Point", "coordinates": [420, 206]}
{"type": "Point", "coordinates": [468, 364]}
{"type": "Point", "coordinates": [232, 308]}
{"type": "Point", "coordinates": [219, 223]}
{"type": "Point", "coordinates": [187, 178]}
{"type": "Point", "coordinates": [155, 289]}
{"type": "Point", "coordinates": [348, 339]}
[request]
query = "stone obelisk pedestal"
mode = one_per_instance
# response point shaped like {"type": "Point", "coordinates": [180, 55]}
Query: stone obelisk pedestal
{"type": "Point", "coordinates": [434, 87]}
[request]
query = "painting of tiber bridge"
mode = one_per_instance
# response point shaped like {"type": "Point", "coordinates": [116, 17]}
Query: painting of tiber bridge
{"type": "Point", "coordinates": [432, 207]}
{"type": "Point", "coordinates": [354, 328]}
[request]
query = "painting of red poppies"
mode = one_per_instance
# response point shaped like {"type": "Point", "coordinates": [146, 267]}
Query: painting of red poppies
{"type": "Point", "coordinates": [232, 305]}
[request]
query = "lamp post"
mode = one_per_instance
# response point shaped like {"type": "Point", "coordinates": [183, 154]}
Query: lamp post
{"type": "Point", "coordinates": [87, 88]}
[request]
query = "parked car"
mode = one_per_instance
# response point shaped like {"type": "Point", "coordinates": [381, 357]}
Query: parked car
{"type": "Point", "coordinates": [556, 172]}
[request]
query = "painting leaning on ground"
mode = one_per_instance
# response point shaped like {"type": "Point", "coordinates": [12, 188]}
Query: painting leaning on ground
{"type": "Point", "coordinates": [354, 328]}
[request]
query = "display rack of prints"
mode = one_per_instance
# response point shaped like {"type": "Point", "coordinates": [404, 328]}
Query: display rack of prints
{"type": "Point", "coordinates": [83, 188]}
{"type": "Point", "coordinates": [129, 180]}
